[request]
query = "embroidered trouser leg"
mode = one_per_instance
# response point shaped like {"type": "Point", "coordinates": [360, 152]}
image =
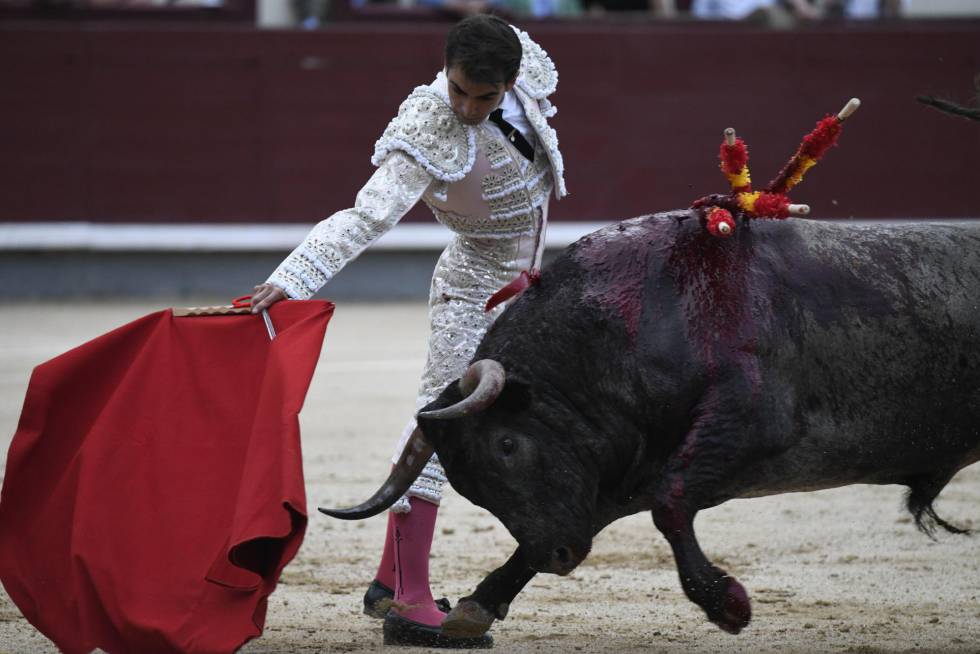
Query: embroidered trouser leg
{"type": "Point", "coordinates": [468, 273]}
{"type": "Point", "coordinates": [428, 485]}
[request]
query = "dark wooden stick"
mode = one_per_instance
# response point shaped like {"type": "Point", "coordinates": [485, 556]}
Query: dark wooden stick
{"type": "Point", "coordinates": [949, 107]}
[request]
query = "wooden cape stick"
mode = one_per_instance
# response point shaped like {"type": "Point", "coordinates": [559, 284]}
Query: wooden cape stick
{"type": "Point", "coordinates": [222, 310]}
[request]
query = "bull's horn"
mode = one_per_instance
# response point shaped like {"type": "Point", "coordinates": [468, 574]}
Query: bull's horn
{"type": "Point", "coordinates": [414, 457]}
{"type": "Point", "coordinates": [480, 386]}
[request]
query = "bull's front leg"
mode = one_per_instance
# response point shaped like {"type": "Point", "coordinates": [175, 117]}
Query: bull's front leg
{"type": "Point", "coordinates": [691, 481]}
{"type": "Point", "coordinates": [474, 614]}
{"type": "Point", "coordinates": [724, 599]}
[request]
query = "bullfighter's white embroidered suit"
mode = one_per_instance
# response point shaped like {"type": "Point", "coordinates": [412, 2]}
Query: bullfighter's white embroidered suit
{"type": "Point", "coordinates": [477, 183]}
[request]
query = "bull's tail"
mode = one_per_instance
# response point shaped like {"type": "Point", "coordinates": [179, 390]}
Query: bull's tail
{"type": "Point", "coordinates": [922, 493]}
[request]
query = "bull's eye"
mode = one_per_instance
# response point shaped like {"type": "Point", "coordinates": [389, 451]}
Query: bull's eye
{"type": "Point", "coordinates": [507, 445]}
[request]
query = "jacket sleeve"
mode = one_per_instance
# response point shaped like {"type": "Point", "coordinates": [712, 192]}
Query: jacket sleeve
{"type": "Point", "coordinates": [397, 184]}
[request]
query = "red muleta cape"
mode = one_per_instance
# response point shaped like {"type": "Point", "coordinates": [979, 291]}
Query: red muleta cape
{"type": "Point", "coordinates": [154, 488]}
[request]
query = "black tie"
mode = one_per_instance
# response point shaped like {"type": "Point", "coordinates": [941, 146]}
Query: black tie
{"type": "Point", "coordinates": [512, 133]}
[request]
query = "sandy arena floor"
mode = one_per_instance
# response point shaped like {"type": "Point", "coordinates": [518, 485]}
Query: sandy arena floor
{"type": "Point", "coordinates": [834, 571]}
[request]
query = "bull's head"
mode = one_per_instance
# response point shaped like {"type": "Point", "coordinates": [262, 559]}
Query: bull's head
{"type": "Point", "coordinates": [516, 467]}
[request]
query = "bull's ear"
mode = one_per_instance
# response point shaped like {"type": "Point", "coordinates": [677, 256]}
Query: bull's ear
{"type": "Point", "coordinates": [515, 397]}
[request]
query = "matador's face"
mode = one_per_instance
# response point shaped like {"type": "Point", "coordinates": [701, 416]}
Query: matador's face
{"type": "Point", "coordinates": [473, 101]}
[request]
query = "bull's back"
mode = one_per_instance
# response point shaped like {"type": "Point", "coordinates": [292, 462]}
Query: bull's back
{"type": "Point", "coordinates": [870, 363]}
{"type": "Point", "coordinates": [856, 343]}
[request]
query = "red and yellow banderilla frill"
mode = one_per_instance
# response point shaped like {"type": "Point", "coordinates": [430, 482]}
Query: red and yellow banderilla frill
{"type": "Point", "coordinates": [719, 213]}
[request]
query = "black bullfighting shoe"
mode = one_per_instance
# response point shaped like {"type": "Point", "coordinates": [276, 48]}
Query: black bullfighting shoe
{"type": "Point", "coordinates": [377, 601]}
{"type": "Point", "coordinates": [402, 631]}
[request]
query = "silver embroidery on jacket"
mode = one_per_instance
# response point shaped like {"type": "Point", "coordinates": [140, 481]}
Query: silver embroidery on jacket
{"type": "Point", "coordinates": [394, 188]}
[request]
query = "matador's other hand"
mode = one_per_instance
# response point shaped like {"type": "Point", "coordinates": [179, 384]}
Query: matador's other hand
{"type": "Point", "coordinates": [265, 295]}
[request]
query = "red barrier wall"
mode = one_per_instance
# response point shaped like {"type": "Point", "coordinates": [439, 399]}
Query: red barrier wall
{"type": "Point", "coordinates": [148, 124]}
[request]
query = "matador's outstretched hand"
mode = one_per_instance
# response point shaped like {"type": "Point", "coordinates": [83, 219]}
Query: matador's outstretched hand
{"type": "Point", "coordinates": [265, 295]}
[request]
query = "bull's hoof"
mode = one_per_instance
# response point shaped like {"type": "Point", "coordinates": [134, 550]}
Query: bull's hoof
{"type": "Point", "coordinates": [736, 610]}
{"type": "Point", "coordinates": [467, 620]}
{"type": "Point", "coordinates": [402, 631]}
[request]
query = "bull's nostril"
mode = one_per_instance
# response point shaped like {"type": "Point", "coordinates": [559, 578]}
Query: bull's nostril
{"type": "Point", "coordinates": [563, 555]}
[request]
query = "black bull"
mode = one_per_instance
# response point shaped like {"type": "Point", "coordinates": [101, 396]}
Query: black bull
{"type": "Point", "coordinates": [658, 368]}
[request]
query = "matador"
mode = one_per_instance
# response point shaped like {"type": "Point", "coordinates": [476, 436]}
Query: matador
{"type": "Point", "coordinates": [475, 146]}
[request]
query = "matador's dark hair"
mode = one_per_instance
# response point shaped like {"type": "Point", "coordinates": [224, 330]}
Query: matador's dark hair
{"type": "Point", "coordinates": [486, 48]}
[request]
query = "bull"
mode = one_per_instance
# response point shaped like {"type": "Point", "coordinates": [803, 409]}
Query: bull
{"type": "Point", "coordinates": [657, 368]}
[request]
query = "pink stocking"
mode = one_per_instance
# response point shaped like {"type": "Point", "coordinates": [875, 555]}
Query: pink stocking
{"type": "Point", "coordinates": [413, 540]}
{"type": "Point", "coordinates": [386, 569]}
